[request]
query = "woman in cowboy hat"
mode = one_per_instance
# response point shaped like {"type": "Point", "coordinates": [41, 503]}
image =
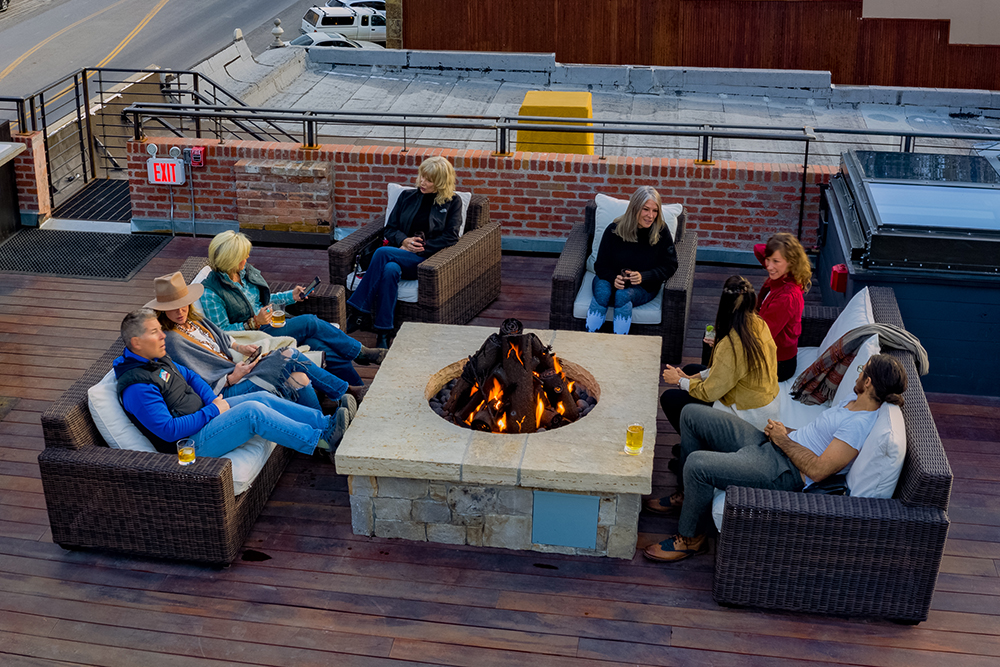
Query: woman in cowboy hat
{"type": "Point", "coordinates": [201, 346]}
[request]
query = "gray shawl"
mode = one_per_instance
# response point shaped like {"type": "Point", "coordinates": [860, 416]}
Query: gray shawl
{"type": "Point", "coordinates": [213, 369]}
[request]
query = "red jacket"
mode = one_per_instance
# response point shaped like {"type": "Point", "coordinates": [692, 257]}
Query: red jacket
{"type": "Point", "coordinates": [781, 303]}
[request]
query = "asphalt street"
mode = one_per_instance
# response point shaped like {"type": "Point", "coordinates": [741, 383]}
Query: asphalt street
{"type": "Point", "coordinates": [42, 41]}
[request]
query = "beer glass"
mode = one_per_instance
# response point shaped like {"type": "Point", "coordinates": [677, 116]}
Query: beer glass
{"type": "Point", "coordinates": [633, 439]}
{"type": "Point", "coordinates": [277, 317]}
{"type": "Point", "coordinates": [185, 451]}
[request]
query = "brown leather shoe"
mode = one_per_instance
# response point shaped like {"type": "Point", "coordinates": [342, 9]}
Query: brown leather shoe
{"type": "Point", "coordinates": [670, 505]}
{"type": "Point", "coordinates": [675, 548]}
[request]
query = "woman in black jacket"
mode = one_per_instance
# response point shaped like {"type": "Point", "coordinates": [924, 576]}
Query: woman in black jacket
{"type": "Point", "coordinates": [635, 257]}
{"type": "Point", "coordinates": [424, 220]}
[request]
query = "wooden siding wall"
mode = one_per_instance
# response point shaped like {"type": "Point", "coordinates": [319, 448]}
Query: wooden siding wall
{"type": "Point", "coordinates": [769, 34]}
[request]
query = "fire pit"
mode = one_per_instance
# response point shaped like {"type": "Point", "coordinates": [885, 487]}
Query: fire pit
{"type": "Point", "coordinates": [514, 383]}
{"type": "Point", "coordinates": [570, 489]}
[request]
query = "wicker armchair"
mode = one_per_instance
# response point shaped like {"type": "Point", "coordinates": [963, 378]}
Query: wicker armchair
{"type": "Point", "coordinates": [572, 266]}
{"type": "Point", "coordinates": [841, 555]}
{"type": "Point", "coordinates": [454, 285]}
{"type": "Point", "coordinates": [141, 503]}
{"type": "Point", "coordinates": [328, 302]}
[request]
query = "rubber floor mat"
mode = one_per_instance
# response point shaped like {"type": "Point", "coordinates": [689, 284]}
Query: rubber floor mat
{"type": "Point", "coordinates": [68, 254]}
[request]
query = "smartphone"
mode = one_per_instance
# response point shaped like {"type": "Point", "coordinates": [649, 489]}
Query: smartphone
{"type": "Point", "coordinates": [253, 356]}
{"type": "Point", "coordinates": [312, 287]}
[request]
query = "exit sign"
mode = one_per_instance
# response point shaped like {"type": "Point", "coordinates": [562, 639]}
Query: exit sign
{"type": "Point", "coordinates": [165, 171]}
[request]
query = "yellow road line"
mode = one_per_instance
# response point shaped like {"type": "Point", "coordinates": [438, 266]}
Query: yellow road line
{"type": "Point", "coordinates": [35, 48]}
{"type": "Point", "coordinates": [142, 24]}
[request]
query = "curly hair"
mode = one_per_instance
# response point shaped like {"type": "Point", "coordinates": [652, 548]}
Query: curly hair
{"type": "Point", "coordinates": [793, 252]}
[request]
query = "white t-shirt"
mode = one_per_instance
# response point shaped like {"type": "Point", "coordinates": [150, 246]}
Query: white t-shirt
{"type": "Point", "coordinates": [837, 422]}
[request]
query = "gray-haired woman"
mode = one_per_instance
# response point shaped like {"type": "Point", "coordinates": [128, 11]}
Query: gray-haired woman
{"type": "Point", "coordinates": [635, 257]}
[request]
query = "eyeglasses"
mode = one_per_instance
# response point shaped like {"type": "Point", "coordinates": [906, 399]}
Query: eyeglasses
{"type": "Point", "coordinates": [861, 369]}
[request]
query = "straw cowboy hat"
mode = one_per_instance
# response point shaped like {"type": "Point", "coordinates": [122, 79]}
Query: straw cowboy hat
{"type": "Point", "coordinates": [172, 292]}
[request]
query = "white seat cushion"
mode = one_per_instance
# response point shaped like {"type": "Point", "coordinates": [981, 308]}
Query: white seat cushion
{"type": "Point", "coordinates": [120, 433]}
{"type": "Point", "coordinates": [395, 189]}
{"type": "Point", "coordinates": [609, 208]}
{"type": "Point", "coordinates": [407, 288]}
{"type": "Point", "coordinates": [647, 313]}
{"type": "Point", "coordinates": [876, 470]}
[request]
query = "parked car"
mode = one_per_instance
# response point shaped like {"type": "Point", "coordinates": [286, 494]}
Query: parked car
{"type": "Point", "coordinates": [325, 40]}
{"type": "Point", "coordinates": [4, 4]}
{"type": "Point", "coordinates": [361, 23]}
{"type": "Point", "coordinates": [373, 4]}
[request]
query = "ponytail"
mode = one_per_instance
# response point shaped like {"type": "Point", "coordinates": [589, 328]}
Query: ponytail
{"type": "Point", "coordinates": [888, 378]}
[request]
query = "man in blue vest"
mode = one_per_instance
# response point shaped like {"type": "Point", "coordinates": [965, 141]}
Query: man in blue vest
{"type": "Point", "coordinates": [168, 402]}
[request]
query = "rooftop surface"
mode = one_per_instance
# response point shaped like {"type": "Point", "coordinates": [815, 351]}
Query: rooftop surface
{"type": "Point", "coordinates": [307, 591]}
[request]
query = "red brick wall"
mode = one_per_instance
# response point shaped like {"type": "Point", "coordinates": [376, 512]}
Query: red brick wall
{"type": "Point", "coordinates": [731, 204]}
{"type": "Point", "coordinates": [32, 176]}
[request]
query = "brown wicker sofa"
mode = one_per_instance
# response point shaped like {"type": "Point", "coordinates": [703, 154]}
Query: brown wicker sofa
{"type": "Point", "coordinates": [841, 555]}
{"type": "Point", "coordinates": [572, 266]}
{"type": "Point", "coordinates": [143, 503]}
{"type": "Point", "coordinates": [454, 285]}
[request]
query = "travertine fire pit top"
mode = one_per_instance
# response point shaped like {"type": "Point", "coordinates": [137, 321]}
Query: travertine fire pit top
{"type": "Point", "coordinates": [395, 433]}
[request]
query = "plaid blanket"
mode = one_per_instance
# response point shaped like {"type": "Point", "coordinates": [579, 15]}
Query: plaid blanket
{"type": "Point", "coordinates": [818, 383]}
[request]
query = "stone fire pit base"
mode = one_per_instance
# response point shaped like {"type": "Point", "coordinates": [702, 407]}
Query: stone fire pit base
{"type": "Point", "coordinates": [572, 489]}
{"type": "Point", "coordinates": [486, 516]}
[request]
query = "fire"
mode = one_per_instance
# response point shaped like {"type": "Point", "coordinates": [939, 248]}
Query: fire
{"type": "Point", "coordinates": [556, 365]}
{"type": "Point", "coordinates": [539, 409]}
{"type": "Point", "coordinates": [569, 386]}
{"type": "Point", "coordinates": [502, 423]}
{"type": "Point", "coordinates": [516, 354]}
{"type": "Point", "coordinates": [495, 393]}
{"type": "Point", "coordinates": [473, 413]}
{"type": "Point", "coordinates": [560, 408]}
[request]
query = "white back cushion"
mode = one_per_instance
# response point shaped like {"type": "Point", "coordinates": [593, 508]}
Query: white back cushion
{"type": "Point", "coordinates": [198, 279]}
{"type": "Point", "coordinates": [609, 208]}
{"type": "Point", "coordinates": [845, 391]}
{"type": "Point", "coordinates": [876, 470]}
{"type": "Point", "coordinates": [120, 433]}
{"type": "Point", "coordinates": [857, 312]}
{"type": "Point", "coordinates": [395, 189]}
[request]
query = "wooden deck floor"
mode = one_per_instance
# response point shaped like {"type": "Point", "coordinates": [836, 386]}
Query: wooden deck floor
{"type": "Point", "coordinates": [326, 596]}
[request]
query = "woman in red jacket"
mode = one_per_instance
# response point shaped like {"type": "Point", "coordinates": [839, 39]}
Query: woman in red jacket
{"type": "Point", "coordinates": [781, 298]}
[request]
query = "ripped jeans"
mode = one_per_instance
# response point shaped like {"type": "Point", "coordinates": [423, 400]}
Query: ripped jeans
{"type": "Point", "coordinates": [624, 300]}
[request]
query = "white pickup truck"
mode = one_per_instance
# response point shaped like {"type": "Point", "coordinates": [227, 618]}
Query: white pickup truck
{"type": "Point", "coordinates": [361, 23]}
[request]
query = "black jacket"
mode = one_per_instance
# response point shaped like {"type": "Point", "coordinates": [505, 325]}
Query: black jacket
{"type": "Point", "coordinates": [445, 220]}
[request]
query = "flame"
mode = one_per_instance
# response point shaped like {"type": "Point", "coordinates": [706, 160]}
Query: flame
{"type": "Point", "coordinates": [539, 409]}
{"type": "Point", "coordinates": [560, 409]}
{"type": "Point", "coordinates": [569, 386]}
{"type": "Point", "coordinates": [473, 413]}
{"type": "Point", "coordinates": [556, 365]}
{"type": "Point", "coordinates": [495, 392]}
{"type": "Point", "coordinates": [516, 354]}
{"type": "Point", "coordinates": [502, 423]}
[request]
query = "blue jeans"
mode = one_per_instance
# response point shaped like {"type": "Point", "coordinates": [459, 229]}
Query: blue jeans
{"type": "Point", "coordinates": [624, 300]}
{"type": "Point", "coordinates": [380, 285]}
{"type": "Point", "coordinates": [720, 449]}
{"type": "Point", "coordinates": [266, 415]}
{"type": "Point", "coordinates": [340, 348]}
{"type": "Point", "coordinates": [321, 379]}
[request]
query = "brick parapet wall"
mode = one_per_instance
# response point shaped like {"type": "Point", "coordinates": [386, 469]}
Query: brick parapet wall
{"type": "Point", "coordinates": [32, 177]}
{"type": "Point", "coordinates": [732, 205]}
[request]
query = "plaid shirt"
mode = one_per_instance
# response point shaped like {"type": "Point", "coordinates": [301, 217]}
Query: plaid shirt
{"type": "Point", "coordinates": [215, 309]}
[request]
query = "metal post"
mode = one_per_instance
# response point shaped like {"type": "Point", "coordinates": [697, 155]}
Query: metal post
{"type": "Point", "coordinates": [907, 144]}
{"type": "Point", "coordinates": [136, 127]}
{"type": "Point", "coordinates": [802, 198]}
{"type": "Point", "coordinates": [197, 100]}
{"type": "Point", "coordinates": [90, 126]}
{"type": "Point", "coordinates": [706, 148]}
{"type": "Point", "coordinates": [22, 117]}
{"type": "Point", "coordinates": [34, 120]}
{"type": "Point", "coordinates": [80, 127]}
{"type": "Point", "coordinates": [503, 140]}
{"type": "Point", "coordinates": [45, 138]}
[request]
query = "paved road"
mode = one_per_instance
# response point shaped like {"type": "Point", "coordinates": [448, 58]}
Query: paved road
{"type": "Point", "coordinates": [42, 41]}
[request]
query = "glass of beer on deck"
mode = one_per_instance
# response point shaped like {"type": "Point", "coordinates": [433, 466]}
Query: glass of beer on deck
{"type": "Point", "coordinates": [277, 317]}
{"type": "Point", "coordinates": [185, 451]}
{"type": "Point", "coordinates": [633, 439]}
